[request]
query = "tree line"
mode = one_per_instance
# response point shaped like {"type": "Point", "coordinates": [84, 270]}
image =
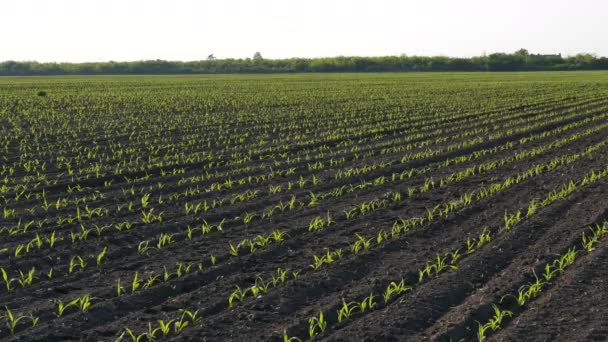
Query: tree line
{"type": "Point", "coordinates": [520, 60]}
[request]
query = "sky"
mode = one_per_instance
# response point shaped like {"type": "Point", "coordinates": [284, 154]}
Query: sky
{"type": "Point", "coordinates": [128, 30]}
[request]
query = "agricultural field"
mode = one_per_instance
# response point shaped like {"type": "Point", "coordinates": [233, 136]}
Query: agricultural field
{"type": "Point", "coordinates": [337, 207]}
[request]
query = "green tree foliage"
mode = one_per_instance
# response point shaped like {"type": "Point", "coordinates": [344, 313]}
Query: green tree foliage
{"type": "Point", "coordinates": [520, 60]}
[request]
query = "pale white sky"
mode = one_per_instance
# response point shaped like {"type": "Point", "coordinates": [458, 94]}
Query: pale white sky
{"type": "Point", "coordinates": [120, 30]}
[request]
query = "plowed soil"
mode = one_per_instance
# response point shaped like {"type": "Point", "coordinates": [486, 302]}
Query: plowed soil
{"type": "Point", "coordinates": [513, 135]}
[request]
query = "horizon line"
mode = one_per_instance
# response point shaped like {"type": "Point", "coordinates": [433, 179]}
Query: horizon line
{"type": "Point", "coordinates": [403, 55]}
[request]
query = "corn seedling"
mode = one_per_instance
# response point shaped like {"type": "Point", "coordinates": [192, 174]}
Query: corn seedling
{"type": "Point", "coordinates": [119, 288]}
{"type": "Point", "coordinates": [76, 261]}
{"type": "Point", "coordinates": [151, 280]}
{"type": "Point", "coordinates": [145, 201]}
{"type": "Point", "coordinates": [101, 255]}
{"type": "Point", "coordinates": [511, 220]}
{"type": "Point", "coordinates": [234, 249]}
{"type": "Point", "coordinates": [278, 235]}
{"type": "Point", "coordinates": [84, 303]}
{"type": "Point", "coordinates": [286, 338]}
{"type": "Point", "coordinates": [164, 239]}
{"type": "Point", "coordinates": [144, 248]}
{"type": "Point", "coordinates": [346, 310]}
{"type": "Point", "coordinates": [395, 289]}
{"type": "Point", "coordinates": [316, 325]}
{"type": "Point", "coordinates": [368, 303]}
{"type": "Point", "coordinates": [193, 316]}
{"type": "Point", "coordinates": [532, 208]}
{"type": "Point", "coordinates": [13, 320]}
{"type": "Point", "coordinates": [149, 217]}
{"type": "Point", "coordinates": [565, 260]}
{"type": "Point", "coordinates": [61, 307]}
{"type": "Point", "coordinates": [135, 283]}
{"type": "Point", "coordinates": [165, 327]}
{"type": "Point", "coordinates": [27, 278]}
{"type": "Point", "coordinates": [7, 281]}
{"type": "Point", "coordinates": [134, 337]}
{"type": "Point", "coordinates": [281, 276]}
{"type": "Point", "coordinates": [237, 295]}
{"type": "Point", "coordinates": [350, 213]}
{"type": "Point", "coordinates": [248, 218]}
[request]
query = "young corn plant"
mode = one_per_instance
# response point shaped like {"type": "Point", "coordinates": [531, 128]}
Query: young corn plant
{"type": "Point", "coordinates": [588, 242]}
{"type": "Point", "coordinates": [439, 265]}
{"type": "Point", "coordinates": [119, 288]}
{"type": "Point", "coordinates": [13, 320]}
{"type": "Point", "coordinates": [494, 322]}
{"type": "Point", "coordinates": [532, 208]}
{"type": "Point", "coordinates": [7, 281]}
{"type": "Point", "coordinates": [189, 232]}
{"type": "Point", "coordinates": [144, 247]}
{"type": "Point", "coordinates": [166, 274]}
{"type": "Point", "coordinates": [382, 236]}
{"type": "Point", "coordinates": [26, 279]}
{"type": "Point", "coordinates": [165, 327]}
{"type": "Point", "coordinates": [101, 255]}
{"type": "Point", "coordinates": [84, 302]}
{"type": "Point", "coordinates": [237, 296]}
{"type": "Point", "coordinates": [565, 260]}
{"type": "Point", "coordinates": [349, 214]}
{"type": "Point", "coordinates": [278, 235]}
{"type": "Point", "coordinates": [192, 208]}
{"type": "Point", "coordinates": [368, 303]}
{"type": "Point", "coordinates": [346, 310]}
{"type": "Point", "coordinates": [61, 307]}
{"type": "Point", "coordinates": [136, 282]}
{"type": "Point", "coordinates": [151, 280]}
{"type": "Point", "coordinates": [481, 332]}
{"type": "Point", "coordinates": [319, 223]}
{"type": "Point", "coordinates": [549, 272]}
{"type": "Point", "coordinates": [314, 199]}
{"type": "Point", "coordinates": [316, 325]}
{"type": "Point", "coordinates": [498, 317]}
{"type": "Point", "coordinates": [328, 258]}
{"type": "Point", "coordinates": [259, 287]}
{"type": "Point", "coordinates": [234, 249]}
{"type": "Point", "coordinates": [527, 292]}
{"type": "Point", "coordinates": [316, 224]}
{"type": "Point", "coordinates": [207, 228]}
{"type": "Point", "coordinates": [134, 337]}
{"type": "Point", "coordinates": [511, 220]}
{"type": "Point", "coordinates": [395, 289]}
{"type": "Point", "coordinates": [164, 239]}
{"type": "Point", "coordinates": [249, 217]}
{"type": "Point", "coordinates": [145, 201]}
{"type": "Point", "coordinates": [76, 261]}
{"type": "Point", "coordinates": [280, 278]}
{"type": "Point", "coordinates": [193, 316]}
{"type": "Point", "coordinates": [286, 338]}
{"type": "Point", "coordinates": [475, 243]}
{"type": "Point", "coordinates": [52, 239]}
{"type": "Point", "coordinates": [360, 244]}
{"type": "Point", "coordinates": [149, 217]}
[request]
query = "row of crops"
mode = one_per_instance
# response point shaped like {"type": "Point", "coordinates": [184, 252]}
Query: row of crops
{"type": "Point", "coordinates": [304, 207]}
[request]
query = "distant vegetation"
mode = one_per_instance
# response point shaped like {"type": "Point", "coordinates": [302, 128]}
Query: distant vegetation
{"type": "Point", "coordinates": [519, 61]}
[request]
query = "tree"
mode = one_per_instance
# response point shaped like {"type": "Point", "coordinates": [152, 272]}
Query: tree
{"type": "Point", "coordinates": [211, 57]}
{"type": "Point", "coordinates": [506, 62]}
{"type": "Point", "coordinates": [257, 56]}
{"type": "Point", "coordinates": [583, 60]}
